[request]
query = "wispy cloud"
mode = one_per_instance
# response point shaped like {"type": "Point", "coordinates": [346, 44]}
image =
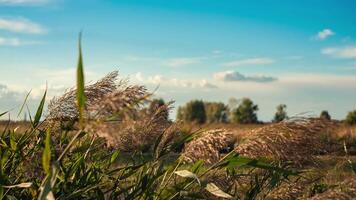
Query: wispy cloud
{"type": "Point", "coordinates": [177, 62]}
{"type": "Point", "coordinates": [340, 52]}
{"type": "Point", "coordinates": [231, 76]}
{"type": "Point", "coordinates": [21, 25]}
{"type": "Point", "coordinates": [175, 82]}
{"type": "Point", "coordinates": [9, 42]}
{"type": "Point", "coordinates": [23, 2]}
{"type": "Point", "coordinates": [323, 34]}
{"type": "Point", "coordinates": [250, 61]}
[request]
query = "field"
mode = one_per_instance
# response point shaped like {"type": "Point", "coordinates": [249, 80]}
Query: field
{"type": "Point", "coordinates": [105, 141]}
{"type": "Point", "coordinates": [330, 175]}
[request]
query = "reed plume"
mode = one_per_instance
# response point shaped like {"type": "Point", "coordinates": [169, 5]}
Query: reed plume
{"type": "Point", "coordinates": [208, 147]}
{"type": "Point", "coordinates": [295, 140]}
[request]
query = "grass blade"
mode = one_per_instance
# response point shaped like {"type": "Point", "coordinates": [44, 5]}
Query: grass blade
{"type": "Point", "coordinates": [39, 112]}
{"type": "Point", "coordinates": [24, 103]}
{"type": "Point", "coordinates": [4, 113]}
{"type": "Point", "coordinates": [80, 84]}
{"type": "Point", "coordinates": [46, 156]}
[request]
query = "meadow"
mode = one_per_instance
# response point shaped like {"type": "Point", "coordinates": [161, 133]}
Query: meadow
{"type": "Point", "coordinates": [104, 141]}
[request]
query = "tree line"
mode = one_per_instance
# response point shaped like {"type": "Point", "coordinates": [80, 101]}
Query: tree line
{"type": "Point", "coordinates": [239, 111]}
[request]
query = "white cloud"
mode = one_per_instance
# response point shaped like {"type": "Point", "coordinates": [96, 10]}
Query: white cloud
{"type": "Point", "coordinates": [231, 76]}
{"type": "Point", "coordinates": [250, 61]}
{"type": "Point", "coordinates": [9, 42]}
{"type": "Point", "coordinates": [322, 35]}
{"type": "Point", "coordinates": [177, 62]}
{"type": "Point", "coordinates": [173, 82]}
{"type": "Point", "coordinates": [340, 52]}
{"type": "Point", "coordinates": [205, 84]}
{"type": "Point", "coordinates": [21, 25]}
{"type": "Point", "coordinates": [23, 2]}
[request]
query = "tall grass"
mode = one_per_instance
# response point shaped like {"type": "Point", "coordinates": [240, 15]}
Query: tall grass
{"type": "Point", "coordinates": [113, 148]}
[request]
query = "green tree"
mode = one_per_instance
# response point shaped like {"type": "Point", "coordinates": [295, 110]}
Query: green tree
{"type": "Point", "coordinates": [281, 113]}
{"type": "Point", "coordinates": [216, 112]}
{"type": "Point", "coordinates": [351, 118]}
{"type": "Point", "coordinates": [193, 111]}
{"type": "Point", "coordinates": [325, 115]}
{"type": "Point", "coordinates": [180, 113]}
{"type": "Point", "coordinates": [245, 113]}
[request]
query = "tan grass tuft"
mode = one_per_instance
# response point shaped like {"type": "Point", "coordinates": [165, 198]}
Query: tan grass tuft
{"type": "Point", "coordinates": [208, 147]}
{"type": "Point", "coordinates": [65, 108]}
{"type": "Point", "coordinates": [295, 140]}
{"type": "Point", "coordinates": [134, 133]}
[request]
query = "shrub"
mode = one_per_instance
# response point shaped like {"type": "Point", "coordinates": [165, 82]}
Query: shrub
{"type": "Point", "coordinates": [281, 113]}
{"type": "Point", "coordinates": [245, 113]}
{"type": "Point", "coordinates": [351, 118]}
{"type": "Point", "coordinates": [193, 111]}
{"type": "Point", "coordinates": [325, 115]}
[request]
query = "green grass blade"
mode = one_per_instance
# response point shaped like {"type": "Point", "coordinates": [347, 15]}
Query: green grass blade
{"type": "Point", "coordinates": [80, 84]}
{"type": "Point", "coordinates": [39, 112]}
{"type": "Point", "coordinates": [24, 103]}
{"type": "Point", "coordinates": [4, 113]}
{"type": "Point", "coordinates": [46, 156]}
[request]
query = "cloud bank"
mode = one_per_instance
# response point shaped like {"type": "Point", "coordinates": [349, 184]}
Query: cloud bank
{"type": "Point", "coordinates": [232, 76]}
{"type": "Point", "coordinates": [340, 52]}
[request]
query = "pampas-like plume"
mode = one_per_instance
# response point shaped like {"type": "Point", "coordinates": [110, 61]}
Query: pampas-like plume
{"type": "Point", "coordinates": [119, 102]}
{"type": "Point", "coordinates": [208, 147]}
{"type": "Point", "coordinates": [295, 140]}
{"type": "Point", "coordinates": [65, 108]}
{"type": "Point", "coordinates": [135, 133]}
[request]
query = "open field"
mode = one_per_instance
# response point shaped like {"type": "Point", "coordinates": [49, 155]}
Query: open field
{"type": "Point", "coordinates": [107, 140]}
{"type": "Point", "coordinates": [324, 175]}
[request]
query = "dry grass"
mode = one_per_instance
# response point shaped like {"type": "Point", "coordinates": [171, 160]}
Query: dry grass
{"type": "Point", "coordinates": [115, 111]}
{"type": "Point", "coordinates": [296, 141]}
{"type": "Point", "coordinates": [65, 108]}
{"type": "Point", "coordinates": [346, 190]}
{"type": "Point", "coordinates": [208, 147]}
{"type": "Point", "coordinates": [134, 133]}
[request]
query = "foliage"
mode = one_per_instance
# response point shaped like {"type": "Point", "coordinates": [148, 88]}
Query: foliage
{"type": "Point", "coordinates": [193, 111]}
{"type": "Point", "coordinates": [325, 115]}
{"type": "Point", "coordinates": [281, 113]}
{"type": "Point", "coordinates": [216, 112]}
{"type": "Point", "coordinates": [245, 113]}
{"type": "Point", "coordinates": [351, 118]}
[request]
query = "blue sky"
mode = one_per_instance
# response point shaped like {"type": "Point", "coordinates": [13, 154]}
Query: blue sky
{"type": "Point", "coordinates": [301, 53]}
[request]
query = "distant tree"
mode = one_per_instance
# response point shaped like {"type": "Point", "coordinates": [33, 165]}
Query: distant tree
{"type": "Point", "coordinates": [155, 104]}
{"type": "Point", "coordinates": [216, 112]}
{"type": "Point", "coordinates": [281, 113]}
{"type": "Point", "coordinates": [193, 111]}
{"type": "Point", "coordinates": [351, 118]}
{"type": "Point", "coordinates": [325, 115]}
{"type": "Point", "coordinates": [245, 113]}
{"type": "Point", "coordinates": [233, 103]}
{"type": "Point", "coordinates": [180, 113]}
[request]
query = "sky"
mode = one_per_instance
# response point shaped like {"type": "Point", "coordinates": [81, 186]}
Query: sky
{"type": "Point", "coordinates": [299, 53]}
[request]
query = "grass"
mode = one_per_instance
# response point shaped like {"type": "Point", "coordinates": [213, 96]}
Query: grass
{"type": "Point", "coordinates": [101, 142]}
